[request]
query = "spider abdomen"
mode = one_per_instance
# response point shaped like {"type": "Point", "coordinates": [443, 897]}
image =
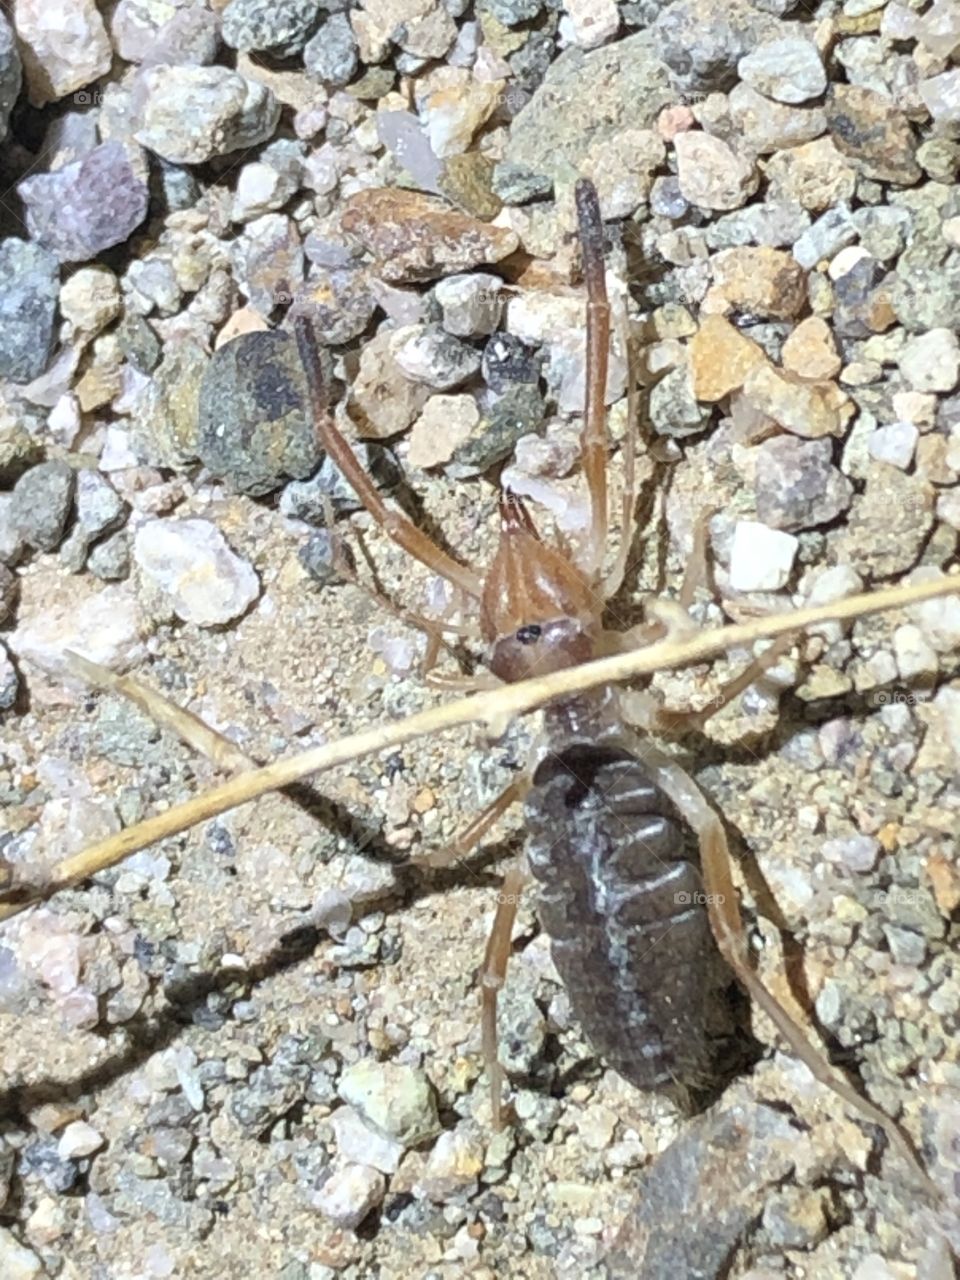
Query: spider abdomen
{"type": "Point", "coordinates": [621, 897]}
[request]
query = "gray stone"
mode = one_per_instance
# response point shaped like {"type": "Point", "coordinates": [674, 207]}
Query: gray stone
{"type": "Point", "coordinates": [9, 73]}
{"type": "Point", "coordinates": [277, 27]}
{"type": "Point", "coordinates": [797, 486]}
{"type": "Point", "coordinates": [471, 304]}
{"type": "Point", "coordinates": [9, 591]}
{"type": "Point", "coordinates": [512, 12]}
{"type": "Point", "coordinates": [788, 69]}
{"type": "Point", "coordinates": [304, 499]}
{"type": "Point", "coordinates": [28, 303]}
{"type": "Point", "coordinates": [585, 98]}
{"type": "Point", "coordinates": [268, 182]}
{"type": "Point", "coordinates": [428, 354]}
{"type": "Point", "coordinates": [350, 1194]}
{"type": "Point", "coordinates": [323, 555]}
{"type": "Point", "coordinates": [109, 560]}
{"type": "Point", "coordinates": [41, 505]}
{"type": "Point", "coordinates": [100, 509]}
{"type": "Point", "coordinates": [12, 545]}
{"type": "Point", "coordinates": [166, 418]}
{"type": "Point", "coordinates": [831, 232]}
{"type": "Point", "coordinates": [702, 41]}
{"type": "Point", "coordinates": [674, 409]}
{"type": "Point", "coordinates": [148, 33]}
{"type": "Point", "coordinates": [508, 361]}
{"type": "Point", "coordinates": [87, 206]}
{"type": "Point", "coordinates": [339, 303]}
{"type": "Point", "coordinates": [926, 291]}
{"type": "Point", "coordinates": [9, 688]}
{"type": "Point", "coordinates": [188, 115]}
{"type": "Point", "coordinates": [517, 412]}
{"type": "Point", "coordinates": [254, 430]}
{"type": "Point", "coordinates": [697, 1198]}
{"type": "Point", "coordinates": [331, 55]}
{"type": "Point", "coordinates": [268, 261]}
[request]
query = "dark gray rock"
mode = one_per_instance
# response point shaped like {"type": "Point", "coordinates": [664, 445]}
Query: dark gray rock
{"type": "Point", "coordinates": [331, 56]}
{"type": "Point", "coordinates": [701, 41]}
{"type": "Point", "coordinates": [518, 412]}
{"type": "Point", "coordinates": [28, 303]}
{"type": "Point", "coordinates": [277, 27]}
{"type": "Point", "coordinates": [338, 302]}
{"type": "Point", "coordinates": [41, 504]}
{"type": "Point", "coordinates": [304, 499]}
{"type": "Point", "coordinates": [9, 73]}
{"type": "Point", "coordinates": [109, 560]}
{"type": "Point", "coordinates": [323, 555]}
{"type": "Point", "coordinates": [254, 430]}
{"type": "Point", "coordinates": [508, 361]}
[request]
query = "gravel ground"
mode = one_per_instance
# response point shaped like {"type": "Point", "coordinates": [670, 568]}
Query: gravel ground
{"type": "Point", "coordinates": [256, 1047]}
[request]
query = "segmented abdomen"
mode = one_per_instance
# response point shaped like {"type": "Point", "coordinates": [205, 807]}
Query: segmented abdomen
{"type": "Point", "coordinates": [620, 894]}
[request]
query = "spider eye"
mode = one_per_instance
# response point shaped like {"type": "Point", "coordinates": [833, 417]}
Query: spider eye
{"type": "Point", "coordinates": [530, 634]}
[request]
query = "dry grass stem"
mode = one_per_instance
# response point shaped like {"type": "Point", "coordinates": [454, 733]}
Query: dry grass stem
{"type": "Point", "coordinates": [493, 710]}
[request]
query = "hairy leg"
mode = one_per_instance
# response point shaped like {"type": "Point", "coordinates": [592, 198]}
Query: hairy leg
{"type": "Point", "coordinates": [493, 975]}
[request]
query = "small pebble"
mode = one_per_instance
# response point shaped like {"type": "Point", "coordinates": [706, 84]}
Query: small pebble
{"type": "Point", "coordinates": [427, 354]}
{"type": "Point", "coordinates": [86, 207]}
{"type": "Point", "coordinates": [762, 281]}
{"type": "Point", "coordinates": [331, 55]}
{"type": "Point", "coordinates": [79, 1139]}
{"type": "Point", "coordinates": [189, 560]}
{"type": "Point", "coordinates": [357, 1141]}
{"type": "Point", "coordinates": [711, 174]}
{"type": "Point", "coordinates": [17, 1262]}
{"type": "Point", "coordinates": [304, 499]}
{"type": "Point", "coordinates": [397, 1100]}
{"type": "Point", "coordinates": [190, 114]}
{"type": "Point", "coordinates": [761, 558]}
{"type": "Point", "coordinates": [894, 444]}
{"type": "Point", "coordinates": [471, 304]}
{"type": "Point", "coordinates": [788, 70]}
{"type": "Point", "coordinates": [444, 426]}
{"type": "Point", "coordinates": [796, 484]}
{"type": "Point", "coordinates": [280, 28]}
{"type": "Point", "coordinates": [868, 127]}
{"type": "Point", "coordinates": [28, 303]}
{"type": "Point", "coordinates": [41, 504]}
{"type": "Point", "coordinates": [931, 361]}
{"type": "Point", "coordinates": [589, 23]}
{"type": "Point", "coordinates": [453, 1164]}
{"type": "Point", "coordinates": [856, 853]}
{"type": "Point", "coordinates": [810, 351]}
{"type": "Point", "coordinates": [350, 1194]}
{"type": "Point", "coordinates": [383, 400]}
{"type": "Point", "coordinates": [90, 298]}
{"type": "Point", "coordinates": [720, 358]}
{"type": "Point", "coordinates": [253, 426]}
{"type": "Point", "coordinates": [53, 65]}
{"type": "Point", "coordinates": [414, 237]}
